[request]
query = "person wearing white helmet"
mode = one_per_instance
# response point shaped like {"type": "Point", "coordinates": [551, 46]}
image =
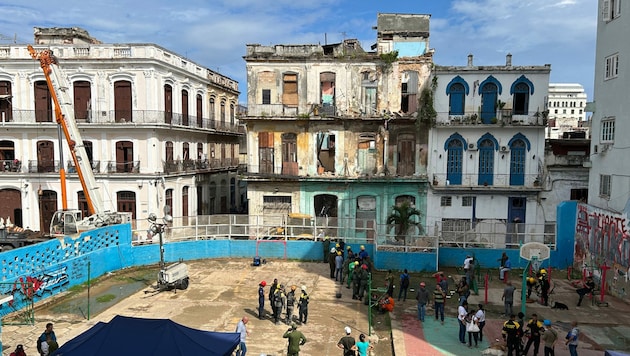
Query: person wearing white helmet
{"type": "Point", "coordinates": [347, 343]}
{"type": "Point", "coordinates": [303, 306]}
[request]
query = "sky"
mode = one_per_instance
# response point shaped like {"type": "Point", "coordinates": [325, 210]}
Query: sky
{"type": "Point", "coordinates": [214, 33]}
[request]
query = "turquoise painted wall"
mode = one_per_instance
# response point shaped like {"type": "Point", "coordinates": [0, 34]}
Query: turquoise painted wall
{"type": "Point", "coordinates": [39, 271]}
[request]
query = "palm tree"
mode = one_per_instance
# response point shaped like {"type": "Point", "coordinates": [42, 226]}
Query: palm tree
{"type": "Point", "coordinates": [401, 219]}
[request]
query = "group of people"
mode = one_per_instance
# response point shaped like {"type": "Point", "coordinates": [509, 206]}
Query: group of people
{"type": "Point", "coordinates": [351, 347]}
{"type": "Point", "coordinates": [536, 331]}
{"type": "Point", "coordinates": [471, 322]}
{"type": "Point", "coordinates": [285, 300]}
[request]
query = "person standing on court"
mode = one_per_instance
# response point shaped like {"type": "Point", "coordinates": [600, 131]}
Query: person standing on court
{"type": "Point", "coordinates": [326, 246]}
{"type": "Point", "coordinates": [241, 328]}
{"type": "Point", "coordinates": [290, 304]}
{"type": "Point", "coordinates": [404, 285]}
{"type": "Point", "coordinates": [508, 297]}
{"type": "Point", "coordinates": [439, 297]}
{"type": "Point", "coordinates": [303, 306]}
{"type": "Point", "coordinates": [261, 299]}
{"type": "Point", "coordinates": [549, 338]}
{"type": "Point", "coordinates": [347, 343]}
{"type": "Point", "coordinates": [510, 331]}
{"type": "Point", "coordinates": [296, 339]}
{"type": "Point", "coordinates": [422, 297]}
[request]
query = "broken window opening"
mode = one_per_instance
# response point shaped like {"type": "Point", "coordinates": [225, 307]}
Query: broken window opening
{"type": "Point", "coordinates": [368, 94]}
{"type": "Point", "coordinates": [290, 90]}
{"type": "Point", "coordinates": [325, 152]}
{"type": "Point", "coordinates": [325, 205]}
{"type": "Point", "coordinates": [367, 154]}
{"type": "Point", "coordinates": [327, 91]}
{"type": "Point", "coordinates": [409, 91]}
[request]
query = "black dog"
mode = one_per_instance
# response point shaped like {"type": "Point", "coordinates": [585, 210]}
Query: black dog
{"type": "Point", "coordinates": [561, 306]}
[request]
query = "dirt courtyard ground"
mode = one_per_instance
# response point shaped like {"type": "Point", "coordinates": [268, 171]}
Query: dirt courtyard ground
{"type": "Point", "coordinates": [222, 291]}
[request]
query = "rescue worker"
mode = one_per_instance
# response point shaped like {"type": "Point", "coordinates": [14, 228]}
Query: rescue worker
{"type": "Point", "coordinates": [510, 333]}
{"type": "Point", "coordinates": [356, 280]}
{"type": "Point", "coordinates": [303, 305]}
{"type": "Point", "coordinates": [272, 291]}
{"type": "Point", "coordinates": [363, 281]}
{"type": "Point", "coordinates": [531, 283]}
{"type": "Point", "coordinates": [544, 286]}
{"type": "Point", "coordinates": [261, 299]}
{"type": "Point", "coordinates": [534, 327]}
{"type": "Point", "coordinates": [290, 304]}
{"type": "Point", "coordinates": [326, 245]}
{"type": "Point", "coordinates": [278, 302]}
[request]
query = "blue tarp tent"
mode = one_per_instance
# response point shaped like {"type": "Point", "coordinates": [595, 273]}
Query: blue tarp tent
{"type": "Point", "coordinates": [136, 336]}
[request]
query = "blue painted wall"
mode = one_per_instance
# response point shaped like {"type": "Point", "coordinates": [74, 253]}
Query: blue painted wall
{"type": "Point", "coordinates": [36, 272]}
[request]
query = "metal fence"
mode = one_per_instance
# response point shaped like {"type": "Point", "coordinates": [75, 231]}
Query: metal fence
{"type": "Point", "coordinates": [446, 233]}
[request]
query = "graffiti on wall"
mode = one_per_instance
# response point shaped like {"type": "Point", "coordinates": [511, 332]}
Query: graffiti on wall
{"type": "Point", "coordinates": [26, 289]}
{"type": "Point", "coordinates": [603, 238]}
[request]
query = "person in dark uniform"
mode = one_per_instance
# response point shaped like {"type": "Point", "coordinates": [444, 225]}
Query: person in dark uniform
{"type": "Point", "coordinates": [510, 333]}
{"type": "Point", "coordinates": [326, 244]}
{"type": "Point", "coordinates": [272, 291]}
{"type": "Point", "coordinates": [303, 305]}
{"type": "Point", "coordinates": [296, 339]}
{"type": "Point", "coordinates": [290, 304]}
{"type": "Point", "coordinates": [534, 328]}
{"type": "Point", "coordinates": [261, 299]}
{"type": "Point", "coordinates": [544, 287]}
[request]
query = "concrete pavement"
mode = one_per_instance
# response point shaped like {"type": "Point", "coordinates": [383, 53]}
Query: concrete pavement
{"type": "Point", "coordinates": [222, 291]}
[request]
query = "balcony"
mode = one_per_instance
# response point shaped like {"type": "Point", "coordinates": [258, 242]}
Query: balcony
{"type": "Point", "coordinates": [213, 164]}
{"type": "Point", "coordinates": [503, 117]}
{"type": "Point", "coordinates": [135, 117]}
{"type": "Point", "coordinates": [495, 182]}
{"type": "Point", "coordinates": [11, 165]}
{"type": "Point", "coordinates": [96, 167]}
{"type": "Point", "coordinates": [35, 166]}
{"type": "Point", "coordinates": [123, 167]}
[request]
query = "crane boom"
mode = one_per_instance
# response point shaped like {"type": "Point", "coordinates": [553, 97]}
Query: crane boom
{"type": "Point", "coordinates": [64, 114]}
{"type": "Point", "coordinates": [69, 222]}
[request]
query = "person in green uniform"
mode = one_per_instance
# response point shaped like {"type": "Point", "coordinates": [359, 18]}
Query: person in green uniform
{"type": "Point", "coordinates": [296, 339]}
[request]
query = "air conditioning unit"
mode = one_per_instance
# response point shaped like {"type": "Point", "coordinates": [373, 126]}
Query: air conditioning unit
{"type": "Point", "coordinates": [505, 149]}
{"type": "Point", "coordinates": [472, 147]}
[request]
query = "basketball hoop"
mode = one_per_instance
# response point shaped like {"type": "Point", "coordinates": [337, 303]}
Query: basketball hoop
{"type": "Point", "coordinates": [535, 253]}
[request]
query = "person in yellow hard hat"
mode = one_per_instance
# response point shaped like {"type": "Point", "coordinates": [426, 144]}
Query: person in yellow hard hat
{"type": "Point", "coordinates": [531, 283]}
{"type": "Point", "coordinates": [544, 286]}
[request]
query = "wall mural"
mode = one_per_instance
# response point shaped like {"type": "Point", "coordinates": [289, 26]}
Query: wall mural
{"type": "Point", "coordinates": [602, 238]}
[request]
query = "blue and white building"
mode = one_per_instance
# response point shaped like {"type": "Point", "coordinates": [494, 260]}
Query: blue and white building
{"type": "Point", "coordinates": [486, 154]}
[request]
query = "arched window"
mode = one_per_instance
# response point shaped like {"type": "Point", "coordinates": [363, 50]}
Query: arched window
{"type": "Point", "coordinates": [168, 104]}
{"type": "Point", "coordinates": [521, 89]}
{"type": "Point", "coordinates": [487, 145]}
{"type": "Point", "coordinates": [489, 89]}
{"type": "Point", "coordinates": [454, 148]}
{"type": "Point", "coordinates": [457, 90]}
{"type": "Point", "coordinates": [519, 145]}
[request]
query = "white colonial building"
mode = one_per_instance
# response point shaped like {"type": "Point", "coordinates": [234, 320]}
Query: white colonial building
{"type": "Point", "coordinates": [159, 129]}
{"type": "Point", "coordinates": [486, 152]}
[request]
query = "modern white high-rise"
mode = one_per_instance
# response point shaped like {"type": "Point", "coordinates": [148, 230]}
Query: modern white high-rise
{"type": "Point", "coordinates": [566, 104]}
{"type": "Point", "coordinates": [609, 186]}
